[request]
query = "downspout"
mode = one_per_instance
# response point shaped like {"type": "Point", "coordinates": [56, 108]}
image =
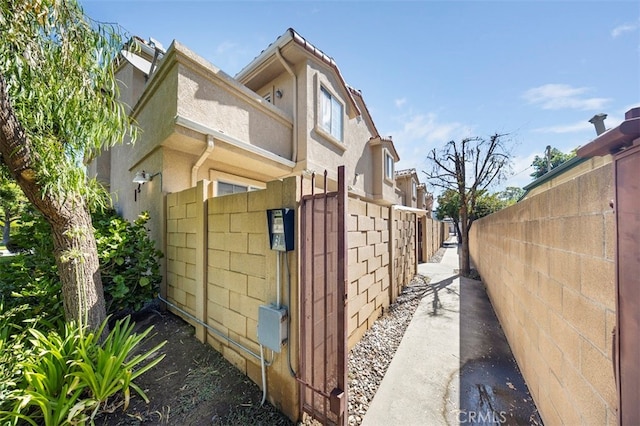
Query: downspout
{"type": "Point", "coordinates": [285, 64]}
{"type": "Point", "coordinates": [203, 157]}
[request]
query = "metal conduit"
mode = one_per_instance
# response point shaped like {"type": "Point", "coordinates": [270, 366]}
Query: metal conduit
{"type": "Point", "coordinates": [216, 332]}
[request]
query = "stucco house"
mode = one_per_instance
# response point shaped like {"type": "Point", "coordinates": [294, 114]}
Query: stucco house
{"type": "Point", "coordinates": [287, 112]}
{"type": "Point", "coordinates": [207, 141]}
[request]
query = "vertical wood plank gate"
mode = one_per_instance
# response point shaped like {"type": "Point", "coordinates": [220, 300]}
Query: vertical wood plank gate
{"type": "Point", "coordinates": [323, 325]}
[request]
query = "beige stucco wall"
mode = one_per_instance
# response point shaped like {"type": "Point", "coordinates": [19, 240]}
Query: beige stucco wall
{"type": "Point", "coordinates": [215, 100]}
{"type": "Point", "coordinates": [321, 151]}
{"type": "Point", "coordinates": [548, 264]}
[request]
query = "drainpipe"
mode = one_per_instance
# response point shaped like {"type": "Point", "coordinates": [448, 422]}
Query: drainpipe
{"type": "Point", "coordinates": [203, 157]}
{"type": "Point", "coordinates": [285, 64]}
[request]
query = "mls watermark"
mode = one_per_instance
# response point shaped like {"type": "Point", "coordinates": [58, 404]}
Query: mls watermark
{"type": "Point", "coordinates": [484, 417]}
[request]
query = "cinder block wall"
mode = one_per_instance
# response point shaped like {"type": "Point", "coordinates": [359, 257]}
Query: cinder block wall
{"type": "Point", "coordinates": [369, 267]}
{"type": "Point", "coordinates": [548, 264]}
{"type": "Point", "coordinates": [220, 270]}
{"type": "Point", "coordinates": [403, 236]}
{"type": "Point", "coordinates": [182, 225]}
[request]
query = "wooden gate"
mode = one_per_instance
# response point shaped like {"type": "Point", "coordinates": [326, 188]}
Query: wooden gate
{"type": "Point", "coordinates": [323, 326]}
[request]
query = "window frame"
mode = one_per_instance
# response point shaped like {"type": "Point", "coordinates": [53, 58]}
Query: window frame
{"type": "Point", "coordinates": [389, 166]}
{"type": "Point", "coordinates": [335, 117]}
{"type": "Point", "coordinates": [247, 188]}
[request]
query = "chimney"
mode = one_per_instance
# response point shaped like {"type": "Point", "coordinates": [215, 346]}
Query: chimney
{"type": "Point", "coordinates": [598, 122]}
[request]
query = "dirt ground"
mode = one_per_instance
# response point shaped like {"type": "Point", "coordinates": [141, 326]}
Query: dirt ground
{"type": "Point", "coordinates": [192, 385]}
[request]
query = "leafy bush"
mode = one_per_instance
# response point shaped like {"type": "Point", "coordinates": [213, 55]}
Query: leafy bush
{"type": "Point", "coordinates": [67, 377]}
{"type": "Point", "coordinates": [128, 262]}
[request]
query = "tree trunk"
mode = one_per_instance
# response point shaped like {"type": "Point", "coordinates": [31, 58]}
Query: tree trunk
{"type": "Point", "coordinates": [465, 265]}
{"type": "Point", "coordinates": [77, 259]}
{"type": "Point", "coordinates": [74, 243]}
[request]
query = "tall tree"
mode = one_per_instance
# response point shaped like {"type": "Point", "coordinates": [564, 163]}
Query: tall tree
{"type": "Point", "coordinates": [552, 159]}
{"type": "Point", "coordinates": [511, 194]}
{"type": "Point", "coordinates": [469, 167]}
{"type": "Point", "coordinates": [58, 105]}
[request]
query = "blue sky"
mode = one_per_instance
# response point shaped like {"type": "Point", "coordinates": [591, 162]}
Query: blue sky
{"type": "Point", "coordinates": [434, 71]}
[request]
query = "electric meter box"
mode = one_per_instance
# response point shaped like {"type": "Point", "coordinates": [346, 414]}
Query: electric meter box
{"type": "Point", "coordinates": [272, 326]}
{"type": "Point", "coordinates": [281, 225]}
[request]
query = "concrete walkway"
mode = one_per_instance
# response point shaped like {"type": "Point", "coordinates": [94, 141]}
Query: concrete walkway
{"type": "Point", "coordinates": [454, 365]}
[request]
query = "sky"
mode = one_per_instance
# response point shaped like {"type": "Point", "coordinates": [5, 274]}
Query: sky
{"type": "Point", "coordinates": [434, 71]}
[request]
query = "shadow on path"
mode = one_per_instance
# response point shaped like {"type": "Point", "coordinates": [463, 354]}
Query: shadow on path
{"type": "Point", "coordinates": [492, 389]}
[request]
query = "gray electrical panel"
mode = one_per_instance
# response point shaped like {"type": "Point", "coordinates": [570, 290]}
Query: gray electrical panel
{"type": "Point", "coordinates": [272, 326]}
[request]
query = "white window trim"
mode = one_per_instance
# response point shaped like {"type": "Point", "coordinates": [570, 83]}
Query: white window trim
{"type": "Point", "coordinates": [387, 155]}
{"type": "Point", "coordinates": [318, 126]}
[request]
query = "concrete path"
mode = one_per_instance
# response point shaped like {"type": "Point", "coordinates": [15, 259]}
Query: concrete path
{"type": "Point", "coordinates": [454, 365]}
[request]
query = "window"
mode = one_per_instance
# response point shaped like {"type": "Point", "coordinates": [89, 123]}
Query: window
{"type": "Point", "coordinates": [225, 188]}
{"type": "Point", "coordinates": [331, 114]}
{"type": "Point", "coordinates": [414, 189]}
{"type": "Point", "coordinates": [388, 166]}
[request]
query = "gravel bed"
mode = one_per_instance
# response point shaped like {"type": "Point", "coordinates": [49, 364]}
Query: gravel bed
{"type": "Point", "coordinates": [371, 356]}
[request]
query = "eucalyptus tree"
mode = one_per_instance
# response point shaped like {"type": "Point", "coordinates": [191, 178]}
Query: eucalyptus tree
{"type": "Point", "coordinates": [59, 105]}
{"type": "Point", "coordinates": [468, 168]}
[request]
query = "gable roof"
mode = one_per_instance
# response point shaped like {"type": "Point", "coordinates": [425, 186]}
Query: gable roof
{"type": "Point", "coordinates": [406, 173]}
{"type": "Point", "coordinates": [291, 36]}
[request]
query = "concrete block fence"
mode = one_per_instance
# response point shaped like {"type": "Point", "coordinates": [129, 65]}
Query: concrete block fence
{"type": "Point", "coordinates": [549, 266]}
{"type": "Point", "coordinates": [220, 270]}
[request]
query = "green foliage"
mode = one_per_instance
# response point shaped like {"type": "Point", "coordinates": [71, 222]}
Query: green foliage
{"type": "Point", "coordinates": [29, 279]}
{"type": "Point", "coordinates": [128, 262]}
{"type": "Point", "coordinates": [449, 205]}
{"type": "Point", "coordinates": [557, 157]}
{"type": "Point", "coordinates": [12, 203]}
{"type": "Point", "coordinates": [57, 66]}
{"type": "Point", "coordinates": [511, 194]}
{"type": "Point", "coordinates": [66, 377]}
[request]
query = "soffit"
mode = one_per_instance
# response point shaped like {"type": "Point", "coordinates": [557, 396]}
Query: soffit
{"type": "Point", "coordinates": [227, 157]}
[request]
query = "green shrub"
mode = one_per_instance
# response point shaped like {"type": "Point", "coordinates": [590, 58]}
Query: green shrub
{"type": "Point", "coordinates": [128, 262]}
{"type": "Point", "coordinates": [67, 377]}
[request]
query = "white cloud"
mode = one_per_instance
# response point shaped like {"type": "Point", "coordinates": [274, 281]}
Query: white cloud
{"type": "Point", "coordinates": [419, 134]}
{"type": "Point", "coordinates": [563, 96]}
{"type": "Point", "coordinates": [624, 28]}
{"type": "Point", "coordinates": [580, 126]}
{"type": "Point", "coordinates": [400, 102]}
{"type": "Point", "coordinates": [426, 128]}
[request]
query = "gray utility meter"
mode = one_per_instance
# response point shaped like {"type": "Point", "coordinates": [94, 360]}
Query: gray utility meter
{"type": "Point", "coordinates": [280, 222]}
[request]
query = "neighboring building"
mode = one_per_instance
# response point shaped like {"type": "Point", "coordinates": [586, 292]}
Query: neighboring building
{"type": "Point", "coordinates": [411, 192]}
